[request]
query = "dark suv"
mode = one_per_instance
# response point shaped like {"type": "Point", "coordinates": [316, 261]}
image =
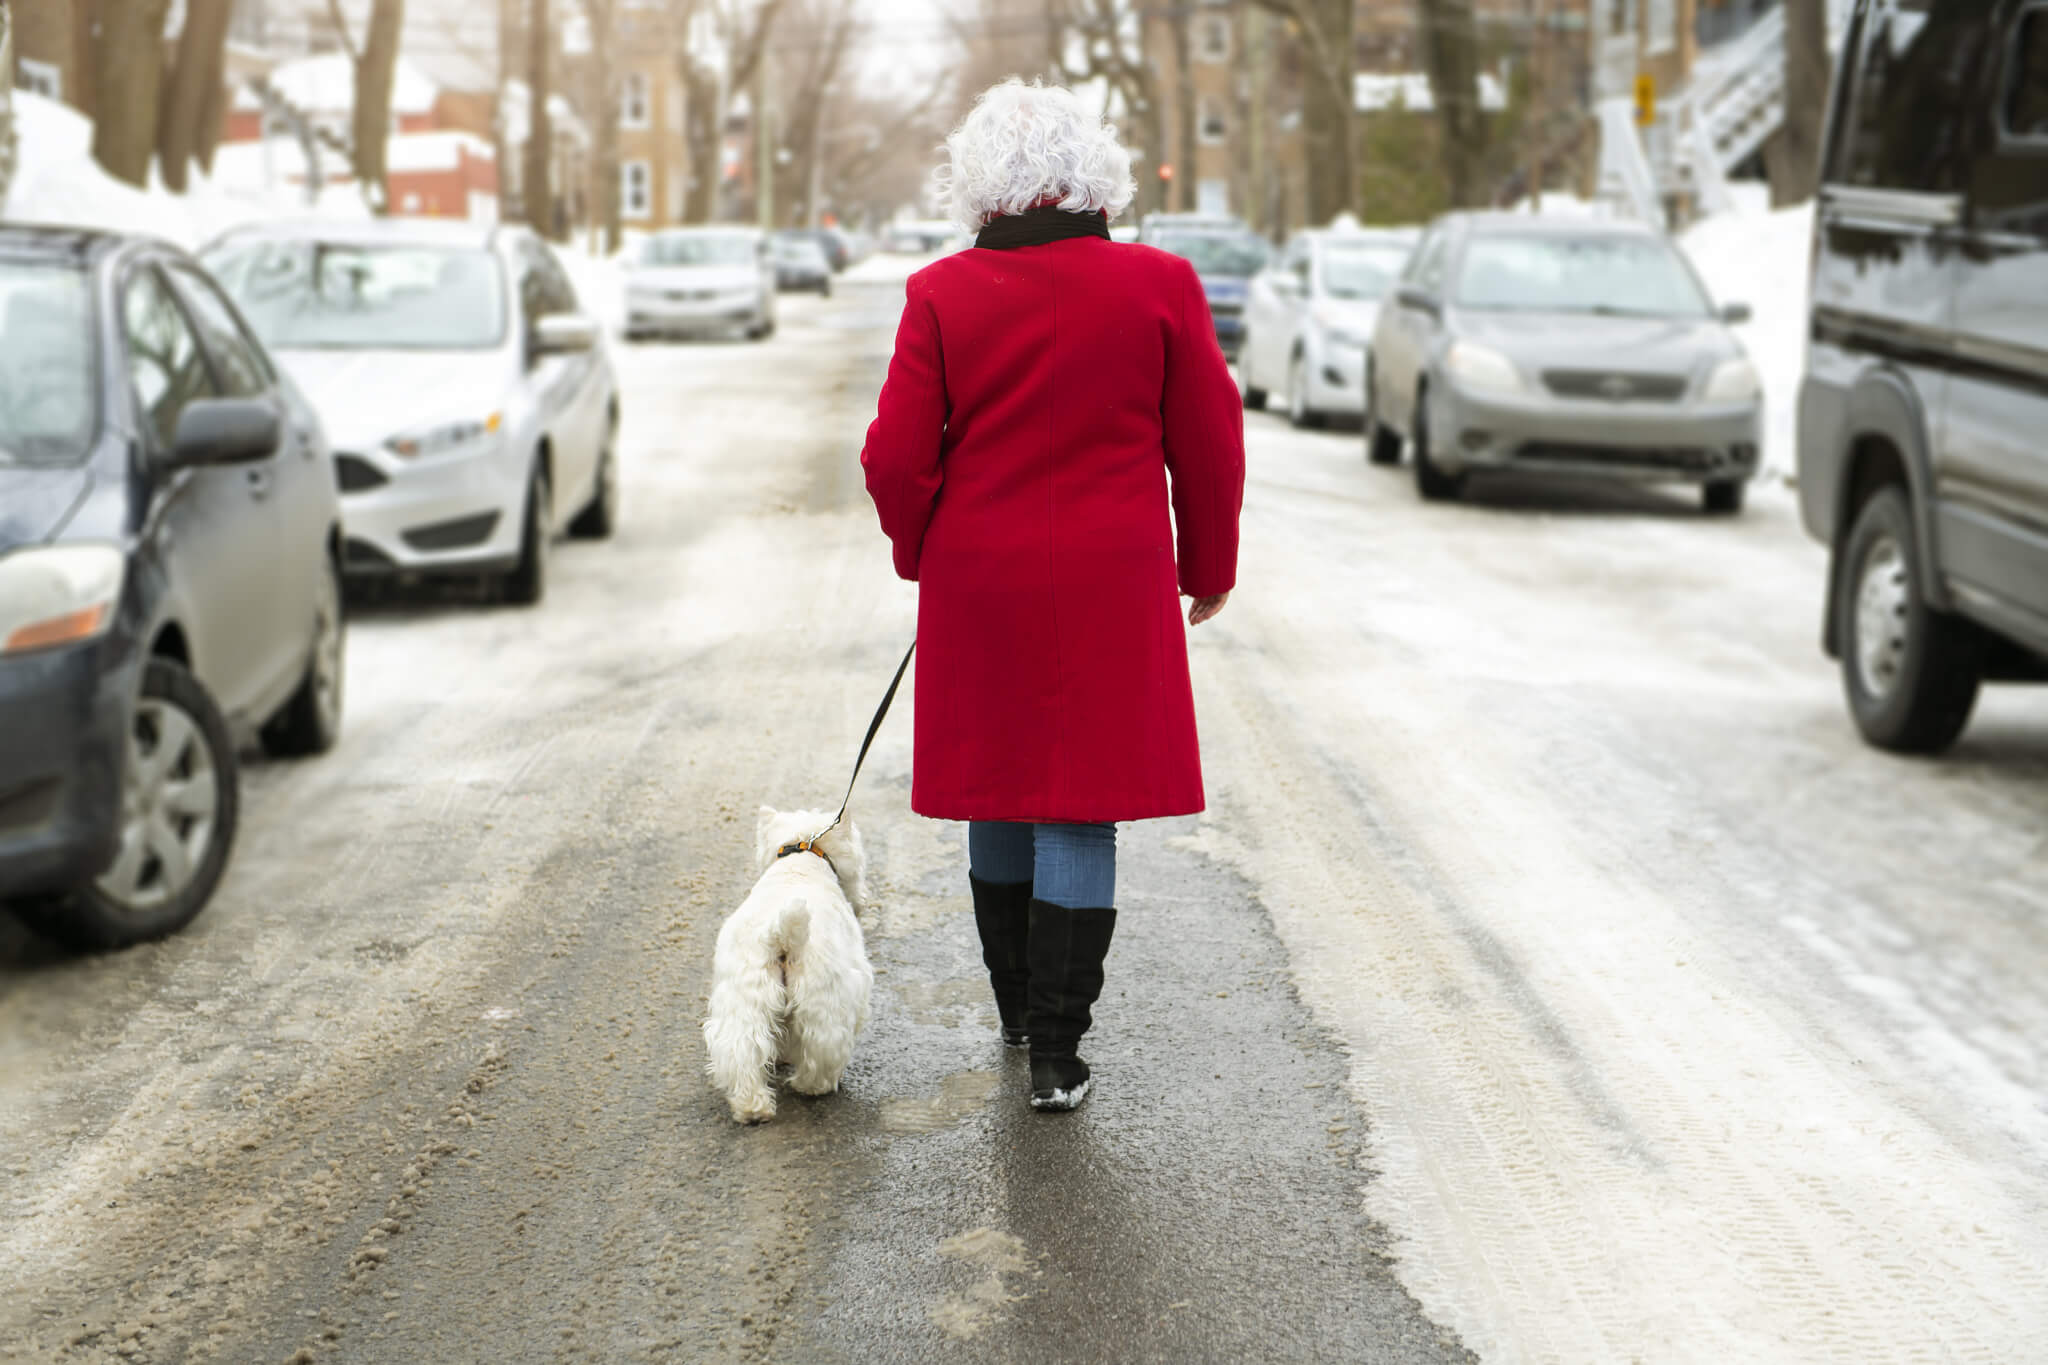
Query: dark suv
{"type": "Point", "coordinates": [1923, 419]}
{"type": "Point", "coordinates": [169, 580]}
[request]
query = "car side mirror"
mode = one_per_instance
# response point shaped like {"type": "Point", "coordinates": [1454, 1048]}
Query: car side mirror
{"type": "Point", "coordinates": [564, 334]}
{"type": "Point", "coordinates": [1420, 299]}
{"type": "Point", "coordinates": [1734, 313]}
{"type": "Point", "coordinates": [226, 431]}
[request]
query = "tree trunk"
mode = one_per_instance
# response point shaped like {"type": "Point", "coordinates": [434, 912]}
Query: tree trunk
{"type": "Point", "coordinates": [701, 117]}
{"type": "Point", "coordinates": [1792, 157]}
{"type": "Point", "coordinates": [1450, 48]}
{"type": "Point", "coordinates": [129, 57]}
{"type": "Point", "coordinates": [1329, 114]}
{"type": "Point", "coordinates": [609, 210]}
{"type": "Point", "coordinates": [536, 190]}
{"type": "Point", "coordinates": [1184, 111]}
{"type": "Point", "coordinates": [191, 91]}
{"type": "Point", "coordinates": [370, 127]}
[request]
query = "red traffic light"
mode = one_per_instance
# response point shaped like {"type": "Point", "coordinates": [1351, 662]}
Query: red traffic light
{"type": "Point", "coordinates": [1166, 170]}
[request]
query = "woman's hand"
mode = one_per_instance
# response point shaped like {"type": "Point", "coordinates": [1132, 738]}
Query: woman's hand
{"type": "Point", "coordinates": [1202, 608]}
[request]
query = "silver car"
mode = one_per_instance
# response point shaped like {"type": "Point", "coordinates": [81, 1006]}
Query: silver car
{"type": "Point", "coordinates": [1566, 346]}
{"type": "Point", "coordinates": [469, 399]}
{"type": "Point", "coordinates": [1308, 316]}
{"type": "Point", "coordinates": [700, 281]}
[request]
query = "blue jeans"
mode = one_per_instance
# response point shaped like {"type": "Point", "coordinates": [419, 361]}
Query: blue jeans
{"type": "Point", "coordinates": [1070, 865]}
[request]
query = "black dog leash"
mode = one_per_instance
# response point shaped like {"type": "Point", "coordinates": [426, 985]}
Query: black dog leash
{"type": "Point", "coordinates": [810, 845]}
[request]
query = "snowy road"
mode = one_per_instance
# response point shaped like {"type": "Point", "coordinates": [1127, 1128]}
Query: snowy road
{"type": "Point", "coordinates": [1554, 975]}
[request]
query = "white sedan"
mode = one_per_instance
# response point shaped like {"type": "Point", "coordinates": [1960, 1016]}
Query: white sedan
{"type": "Point", "coordinates": [699, 281]}
{"type": "Point", "coordinates": [1309, 315]}
{"type": "Point", "coordinates": [468, 398]}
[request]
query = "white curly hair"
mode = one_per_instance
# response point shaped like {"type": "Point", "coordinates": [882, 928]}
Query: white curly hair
{"type": "Point", "coordinates": [1023, 144]}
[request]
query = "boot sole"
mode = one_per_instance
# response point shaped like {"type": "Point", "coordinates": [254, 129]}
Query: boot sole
{"type": "Point", "coordinates": [1061, 1101]}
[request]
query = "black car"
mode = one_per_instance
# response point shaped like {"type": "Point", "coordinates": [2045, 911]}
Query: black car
{"type": "Point", "coordinates": [1225, 254]}
{"type": "Point", "coordinates": [800, 263]}
{"type": "Point", "coordinates": [1922, 463]}
{"type": "Point", "coordinates": [169, 580]}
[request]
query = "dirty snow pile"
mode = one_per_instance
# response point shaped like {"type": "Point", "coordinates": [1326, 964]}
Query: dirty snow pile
{"type": "Point", "coordinates": [1754, 255]}
{"type": "Point", "coordinates": [58, 182]}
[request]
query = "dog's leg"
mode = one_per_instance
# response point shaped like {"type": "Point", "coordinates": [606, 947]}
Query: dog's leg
{"type": "Point", "coordinates": [822, 1031]}
{"type": "Point", "coordinates": [740, 1047]}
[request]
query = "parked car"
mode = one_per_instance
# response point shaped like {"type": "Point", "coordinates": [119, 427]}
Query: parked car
{"type": "Point", "coordinates": [1568, 346]}
{"type": "Point", "coordinates": [170, 585]}
{"type": "Point", "coordinates": [1225, 254]}
{"type": "Point", "coordinates": [800, 264]}
{"type": "Point", "coordinates": [701, 282]}
{"type": "Point", "coordinates": [470, 399]}
{"type": "Point", "coordinates": [914, 236]}
{"type": "Point", "coordinates": [837, 246]}
{"type": "Point", "coordinates": [1309, 315]}
{"type": "Point", "coordinates": [1922, 463]}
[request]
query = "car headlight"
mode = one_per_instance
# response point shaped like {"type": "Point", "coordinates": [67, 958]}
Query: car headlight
{"type": "Point", "coordinates": [1733, 381]}
{"type": "Point", "coordinates": [58, 595]}
{"type": "Point", "coordinates": [1477, 367]}
{"type": "Point", "coordinates": [448, 436]}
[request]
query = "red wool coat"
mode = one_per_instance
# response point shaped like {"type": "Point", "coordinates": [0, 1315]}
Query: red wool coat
{"type": "Point", "coordinates": [1037, 401]}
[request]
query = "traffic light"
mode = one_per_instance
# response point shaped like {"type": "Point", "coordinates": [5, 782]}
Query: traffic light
{"type": "Point", "coordinates": [1646, 99]}
{"type": "Point", "coordinates": [1166, 170]}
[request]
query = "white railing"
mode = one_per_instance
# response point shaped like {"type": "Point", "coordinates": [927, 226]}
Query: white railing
{"type": "Point", "coordinates": [1625, 172]}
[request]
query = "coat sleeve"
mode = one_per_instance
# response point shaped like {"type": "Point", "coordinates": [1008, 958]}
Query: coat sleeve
{"type": "Point", "coordinates": [1203, 419]}
{"type": "Point", "coordinates": [901, 458]}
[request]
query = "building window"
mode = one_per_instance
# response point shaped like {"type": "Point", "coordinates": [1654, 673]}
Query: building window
{"type": "Point", "coordinates": [633, 101]}
{"type": "Point", "coordinates": [1214, 43]}
{"type": "Point", "coordinates": [39, 77]}
{"type": "Point", "coordinates": [1215, 124]}
{"type": "Point", "coordinates": [636, 190]}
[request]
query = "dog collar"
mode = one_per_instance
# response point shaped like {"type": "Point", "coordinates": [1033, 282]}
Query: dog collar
{"type": "Point", "coordinates": [802, 846]}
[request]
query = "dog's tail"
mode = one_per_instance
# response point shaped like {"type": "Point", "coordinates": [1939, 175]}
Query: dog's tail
{"type": "Point", "coordinates": [792, 928]}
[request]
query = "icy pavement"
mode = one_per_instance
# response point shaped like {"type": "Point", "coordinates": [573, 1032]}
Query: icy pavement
{"type": "Point", "coordinates": [1554, 974]}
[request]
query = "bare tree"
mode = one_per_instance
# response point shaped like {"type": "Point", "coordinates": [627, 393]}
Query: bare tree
{"type": "Point", "coordinates": [537, 191]}
{"type": "Point", "coordinates": [740, 30]}
{"type": "Point", "coordinates": [375, 61]}
{"type": "Point", "coordinates": [1105, 40]}
{"type": "Point", "coordinates": [1329, 112]}
{"type": "Point", "coordinates": [1792, 158]}
{"type": "Point", "coordinates": [190, 125]}
{"type": "Point", "coordinates": [128, 56]}
{"type": "Point", "coordinates": [1450, 52]}
{"type": "Point", "coordinates": [603, 106]}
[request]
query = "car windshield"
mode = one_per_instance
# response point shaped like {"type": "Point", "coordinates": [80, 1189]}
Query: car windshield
{"type": "Point", "coordinates": [1633, 276]}
{"type": "Point", "coordinates": [47, 369]}
{"type": "Point", "coordinates": [1361, 270]}
{"type": "Point", "coordinates": [698, 248]}
{"type": "Point", "coordinates": [303, 295]}
{"type": "Point", "coordinates": [1216, 253]}
{"type": "Point", "coordinates": [799, 251]}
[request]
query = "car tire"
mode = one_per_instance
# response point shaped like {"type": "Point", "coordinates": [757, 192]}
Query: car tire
{"type": "Point", "coordinates": [1431, 482]}
{"type": "Point", "coordinates": [527, 583]}
{"type": "Point", "coordinates": [825, 289]}
{"type": "Point", "coordinates": [1382, 442]}
{"type": "Point", "coordinates": [600, 517]}
{"type": "Point", "coordinates": [310, 722]}
{"type": "Point", "coordinates": [1723, 497]}
{"type": "Point", "coordinates": [188, 802]}
{"type": "Point", "coordinates": [1910, 673]}
{"type": "Point", "coordinates": [1299, 413]}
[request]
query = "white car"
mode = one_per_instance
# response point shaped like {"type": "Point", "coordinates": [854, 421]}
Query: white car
{"type": "Point", "coordinates": [469, 400]}
{"type": "Point", "coordinates": [698, 281]}
{"type": "Point", "coordinates": [1309, 315]}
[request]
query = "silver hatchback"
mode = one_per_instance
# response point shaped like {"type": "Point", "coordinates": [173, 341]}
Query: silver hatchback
{"type": "Point", "coordinates": [1575, 347]}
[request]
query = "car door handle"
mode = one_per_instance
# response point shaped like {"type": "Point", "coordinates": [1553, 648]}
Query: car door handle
{"type": "Point", "coordinates": [259, 483]}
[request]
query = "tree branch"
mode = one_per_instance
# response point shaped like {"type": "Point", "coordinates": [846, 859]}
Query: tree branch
{"type": "Point", "coordinates": [355, 54]}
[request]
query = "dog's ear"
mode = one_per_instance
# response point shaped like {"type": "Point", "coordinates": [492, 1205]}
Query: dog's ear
{"type": "Point", "coordinates": [763, 819]}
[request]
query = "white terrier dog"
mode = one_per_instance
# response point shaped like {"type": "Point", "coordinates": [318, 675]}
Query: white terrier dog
{"type": "Point", "coordinates": [790, 980]}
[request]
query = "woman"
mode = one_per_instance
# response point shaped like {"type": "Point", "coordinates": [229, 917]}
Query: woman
{"type": "Point", "coordinates": [1045, 384]}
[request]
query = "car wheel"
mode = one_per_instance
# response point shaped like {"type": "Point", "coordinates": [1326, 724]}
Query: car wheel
{"type": "Point", "coordinates": [1911, 673]}
{"type": "Point", "coordinates": [825, 289]}
{"type": "Point", "coordinates": [1382, 442]}
{"type": "Point", "coordinates": [1431, 482]}
{"type": "Point", "coordinates": [601, 515]}
{"type": "Point", "coordinates": [179, 802]}
{"type": "Point", "coordinates": [1299, 413]}
{"type": "Point", "coordinates": [1722, 498]}
{"type": "Point", "coordinates": [310, 722]}
{"type": "Point", "coordinates": [528, 581]}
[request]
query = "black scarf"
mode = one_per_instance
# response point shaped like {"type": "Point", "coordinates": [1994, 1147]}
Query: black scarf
{"type": "Point", "coordinates": [1037, 226]}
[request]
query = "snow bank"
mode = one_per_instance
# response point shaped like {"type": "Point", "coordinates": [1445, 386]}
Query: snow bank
{"type": "Point", "coordinates": [600, 282]}
{"type": "Point", "coordinates": [1756, 256]}
{"type": "Point", "coordinates": [57, 181]}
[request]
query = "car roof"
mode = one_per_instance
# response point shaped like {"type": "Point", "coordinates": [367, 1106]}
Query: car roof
{"type": "Point", "coordinates": [722, 230]}
{"type": "Point", "coordinates": [442, 232]}
{"type": "Point", "coordinates": [1526, 224]}
{"type": "Point", "coordinates": [53, 240]}
{"type": "Point", "coordinates": [1393, 236]}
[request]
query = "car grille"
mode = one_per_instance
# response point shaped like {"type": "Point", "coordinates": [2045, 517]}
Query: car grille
{"type": "Point", "coordinates": [1616, 386]}
{"type": "Point", "coordinates": [1686, 459]}
{"type": "Point", "coordinates": [452, 535]}
{"type": "Point", "coordinates": [355, 474]}
{"type": "Point", "coordinates": [692, 295]}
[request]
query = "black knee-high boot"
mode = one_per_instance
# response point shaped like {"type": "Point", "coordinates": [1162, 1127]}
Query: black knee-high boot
{"type": "Point", "coordinates": [1066, 952]}
{"type": "Point", "coordinates": [1002, 914]}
